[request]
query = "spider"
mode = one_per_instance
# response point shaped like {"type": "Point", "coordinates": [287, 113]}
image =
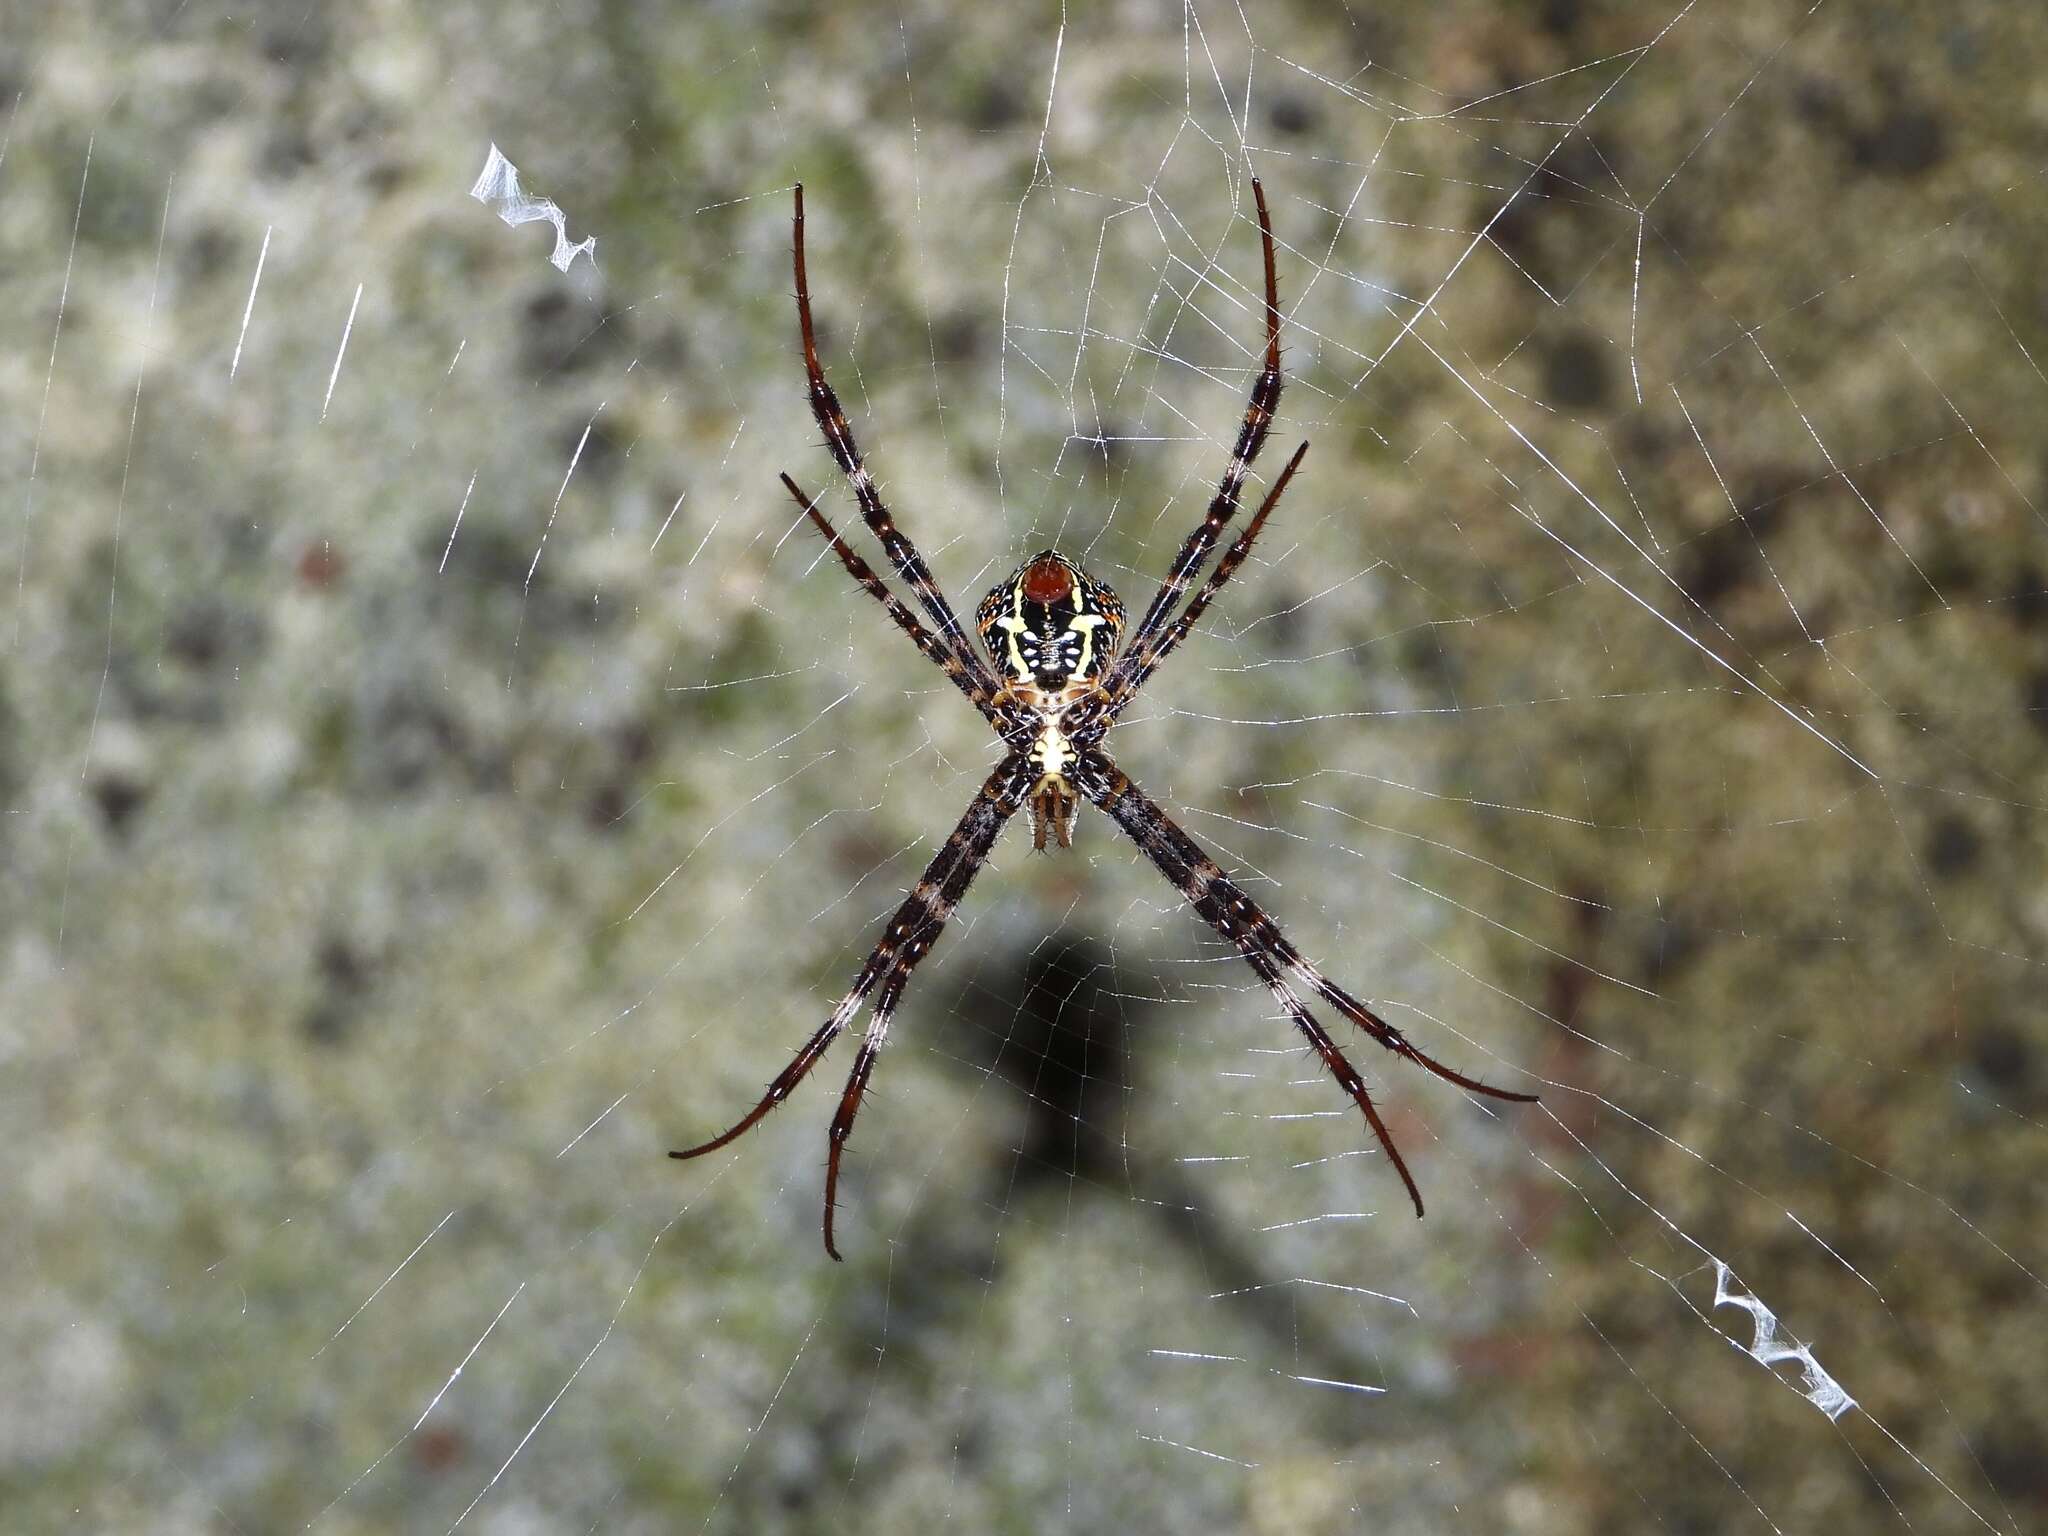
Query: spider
{"type": "Point", "coordinates": [1051, 682]}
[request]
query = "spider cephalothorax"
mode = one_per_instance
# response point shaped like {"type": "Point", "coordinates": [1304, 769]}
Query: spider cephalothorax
{"type": "Point", "coordinates": [1058, 684]}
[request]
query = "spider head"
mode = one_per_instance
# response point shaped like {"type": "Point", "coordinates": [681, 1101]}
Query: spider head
{"type": "Point", "coordinates": [1051, 626]}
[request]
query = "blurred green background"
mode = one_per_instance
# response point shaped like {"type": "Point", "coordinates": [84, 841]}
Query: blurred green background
{"type": "Point", "coordinates": [408, 838]}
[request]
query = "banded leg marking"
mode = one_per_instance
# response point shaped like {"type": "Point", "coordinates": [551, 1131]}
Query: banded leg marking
{"type": "Point", "coordinates": [1251, 437]}
{"type": "Point", "coordinates": [934, 650]}
{"type": "Point", "coordinates": [1223, 905]}
{"type": "Point", "coordinates": [846, 453]}
{"type": "Point", "coordinates": [1141, 664]}
{"type": "Point", "coordinates": [906, 940]}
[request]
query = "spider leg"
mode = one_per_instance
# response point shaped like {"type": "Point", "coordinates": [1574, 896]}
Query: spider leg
{"type": "Point", "coordinates": [1141, 664]}
{"type": "Point", "coordinates": [864, 1066]}
{"type": "Point", "coordinates": [1390, 1037]}
{"type": "Point", "coordinates": [846, 453]}
{"type": "Point", "coordinates": [906, 940]}
{"type": "Point", "coordinates": [934, 651]}
{"type": "Point", "coordinates": [1251, 437]}
{"type": "Point", "coordinates": [916, 929]}
{"type": "Point", "coordinates": [1218, 901]}
{"type": "Point", "coordinates": [1336, 1061]}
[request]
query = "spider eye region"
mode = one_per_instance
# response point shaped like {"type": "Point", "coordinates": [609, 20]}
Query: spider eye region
{"type": "Point", "coordinates": [1051, 627]}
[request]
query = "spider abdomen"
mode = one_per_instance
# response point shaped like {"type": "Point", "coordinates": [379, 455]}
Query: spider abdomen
{"type": "Point", "coordinates": [1050, 627]}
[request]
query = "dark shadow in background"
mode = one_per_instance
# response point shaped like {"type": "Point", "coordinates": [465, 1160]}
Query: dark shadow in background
{"type": "Point", "coordinates": [1052, 1024]}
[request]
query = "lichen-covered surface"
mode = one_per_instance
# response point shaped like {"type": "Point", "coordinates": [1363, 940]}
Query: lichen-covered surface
{"type": "Point", "coordinates": [1643, 694]}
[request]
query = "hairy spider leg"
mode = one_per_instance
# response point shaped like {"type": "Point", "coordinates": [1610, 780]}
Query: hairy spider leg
{"type": "Point", "coordinates": [934, 900]}
{"type": "Point", "coordinates": [1251, 437]}
{"type": "Point", "coordinates": [1223, 905]}
{"type": "Point", "coordinates": [1000, 713]}
{"type": "Point", "coordinates": [906, 940]}
{"type": "Point", "coordinates": [1099, 712]}
{"type": "Point", "coordinates": [846, 453]}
